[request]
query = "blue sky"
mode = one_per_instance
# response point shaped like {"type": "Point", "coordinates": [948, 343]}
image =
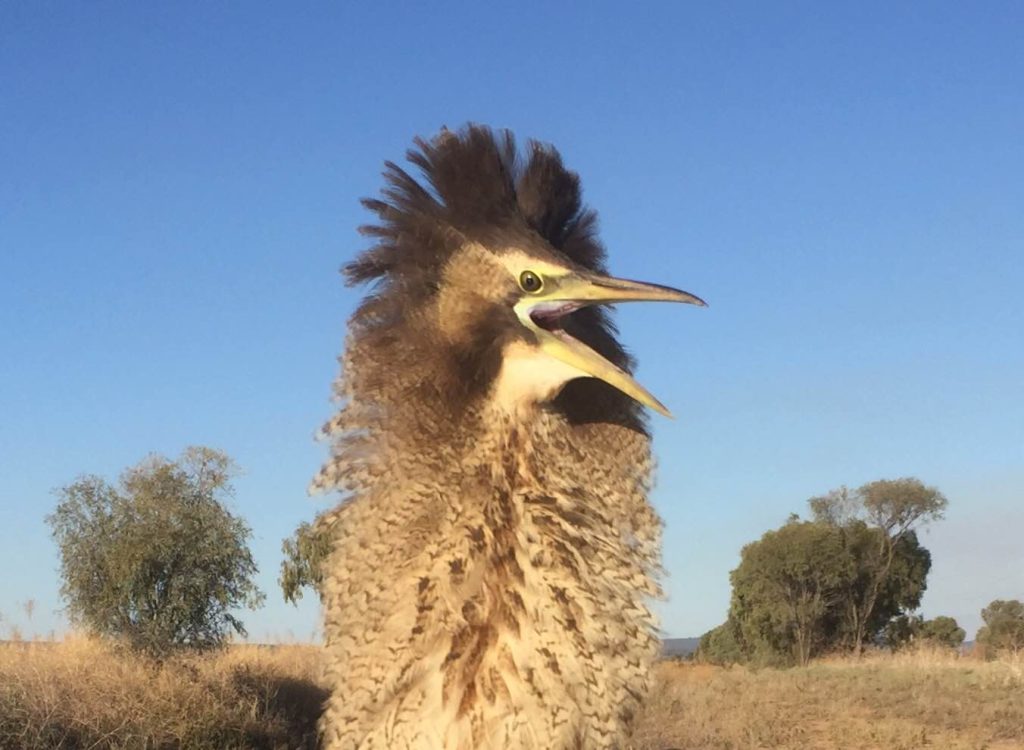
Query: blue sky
{"type": "Point", "coordinates": [844, 184]}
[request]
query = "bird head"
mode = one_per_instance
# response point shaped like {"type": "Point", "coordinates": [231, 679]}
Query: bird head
{"type": "Point", "coordinates": [492, 272]}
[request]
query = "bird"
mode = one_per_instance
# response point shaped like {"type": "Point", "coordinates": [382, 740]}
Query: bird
{"type": "Point", "coordinates": [494, 556]}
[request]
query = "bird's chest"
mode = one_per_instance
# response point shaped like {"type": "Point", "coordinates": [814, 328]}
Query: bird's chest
{"type": "Point", "coordinates": [533, 617]}
{"type": "Point", "coordinates": [509, 602]}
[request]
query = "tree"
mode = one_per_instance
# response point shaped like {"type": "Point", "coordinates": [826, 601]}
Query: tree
{"type": "Point", "coordinates": [157, 562]}
{"type": "Point", "coordinates": [1004, 626]}
{"type": "Point", "coordinates": [899, 591]}
{"type": "Point", "coordinates": [721, 645]}
{"type": "Point", "coordinates": [900, 632]}
{"type": "Point", "coordinates": [304, 554]}
{"type": "Point", "coordinates": [876, 520]}
{"type": "Point", "coordinates": [786, 588]}
{"type": "Point", "coordinates": [907, 630]}
{"type": "Point", "coordinates": [942, 631]}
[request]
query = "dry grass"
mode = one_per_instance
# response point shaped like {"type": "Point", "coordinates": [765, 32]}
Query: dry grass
{"type": "Point", "coordinates": [78, 694]}
{"type": "Point", "coordinates": [882, 702]}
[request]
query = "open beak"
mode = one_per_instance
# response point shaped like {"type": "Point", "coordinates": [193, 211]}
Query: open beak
{"type": "Point", "coordinates": [564, 294]}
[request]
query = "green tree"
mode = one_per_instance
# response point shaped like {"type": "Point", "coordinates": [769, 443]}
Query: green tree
{"type": "Point", "coordinates": [304, 554]}
{"type": "Point", "coordinates": [157, 562]}
{"type": "Point", "coordinates": [901, 631]}
{"type": "Point", "coordinates": [898, 592]}
{"type": "Point", "coordinates": [786, 588]}
{"type": "Point", "coordinates": [721, 645]}
{"type": "Point", "coordinates": [878, 522]}
{"type": "Point", "coordinates": [907, 630]}
{"type": "Point", "coordinates": [942, 631]}
{"type": "Point", "coordinates": [1003, 630]}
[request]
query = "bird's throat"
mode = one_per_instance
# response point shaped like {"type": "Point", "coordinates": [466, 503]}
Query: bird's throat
{"type": "Point", "coordinates": [530, 377]}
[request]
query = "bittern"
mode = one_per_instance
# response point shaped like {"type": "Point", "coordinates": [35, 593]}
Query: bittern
{"type": "Point", "coordinates": [495, 556]}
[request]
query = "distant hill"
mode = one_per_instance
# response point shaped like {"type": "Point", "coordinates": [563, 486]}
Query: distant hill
{"type": "Point", "coordinates": [677, 647]}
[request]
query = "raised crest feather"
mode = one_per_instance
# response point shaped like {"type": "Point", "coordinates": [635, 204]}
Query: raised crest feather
{"type": "Point", "coordinates": [474, 183]}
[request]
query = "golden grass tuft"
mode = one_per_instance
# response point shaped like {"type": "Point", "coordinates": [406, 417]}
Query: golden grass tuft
{"type": "Point", "coordinates": [925, 699]}
{"type": "Point", "coordinates": [79, 694]}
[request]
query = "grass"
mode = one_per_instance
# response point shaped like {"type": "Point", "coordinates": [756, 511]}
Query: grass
{"type": "Point", "coordinates": [885, 702]}
{"type": "Point", "coordinates": [78, 694]}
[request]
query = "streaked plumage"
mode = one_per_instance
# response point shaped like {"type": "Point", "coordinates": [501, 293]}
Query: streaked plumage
{"type": "Point", "coordinates": [495, 552]}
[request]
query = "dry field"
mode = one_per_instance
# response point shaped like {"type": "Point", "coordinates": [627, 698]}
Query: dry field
{"type": "Point", "coordinates": [76, 694]}
{"type": "Point", "coordinates": [882, 702]}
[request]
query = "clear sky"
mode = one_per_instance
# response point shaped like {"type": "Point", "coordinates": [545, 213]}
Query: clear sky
{"type": "Point", "coordinates": [844, 183]}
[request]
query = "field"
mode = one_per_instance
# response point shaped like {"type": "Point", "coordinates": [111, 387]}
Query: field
{"type": "Point", "coordinates": [882, 702]}
{"type": "Point", "coordinates": [77, 694]}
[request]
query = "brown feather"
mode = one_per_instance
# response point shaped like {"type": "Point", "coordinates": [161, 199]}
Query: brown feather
{"type": "Point", "coordinates": [491, 572]}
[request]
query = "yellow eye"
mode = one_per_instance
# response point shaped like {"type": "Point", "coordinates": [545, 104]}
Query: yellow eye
{"type": "Point", "coordinates": [530, 282]}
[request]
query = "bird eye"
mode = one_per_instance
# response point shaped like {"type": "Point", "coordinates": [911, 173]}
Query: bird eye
{"type": "Point", "coordinates": [530, 282]}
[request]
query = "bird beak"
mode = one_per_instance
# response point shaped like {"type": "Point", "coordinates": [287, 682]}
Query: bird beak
{"type": "Point", "coordinates": [580, 289]}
